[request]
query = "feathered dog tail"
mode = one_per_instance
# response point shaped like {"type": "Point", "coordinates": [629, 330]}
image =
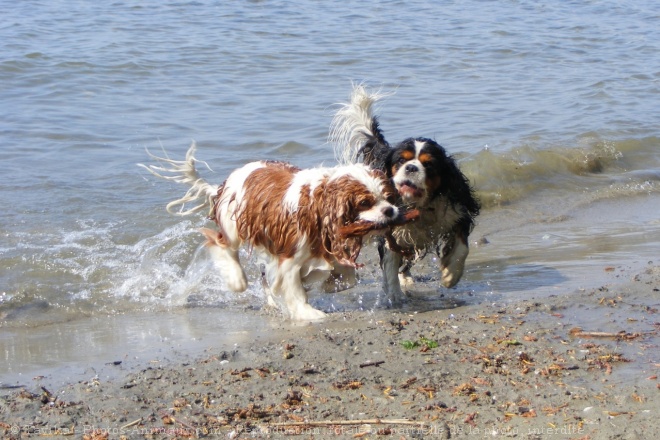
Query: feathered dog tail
{"type": "Point", "coordinates": [355, 131]}
{"type": "Point", "coordinates": [184, 171]}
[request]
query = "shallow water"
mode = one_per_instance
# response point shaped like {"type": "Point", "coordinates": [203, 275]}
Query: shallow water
{"type": "Point", "coordinates": [551, 110]}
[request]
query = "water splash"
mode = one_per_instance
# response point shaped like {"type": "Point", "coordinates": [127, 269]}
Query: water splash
{"type": "Point", "coordinates": [86, 271]}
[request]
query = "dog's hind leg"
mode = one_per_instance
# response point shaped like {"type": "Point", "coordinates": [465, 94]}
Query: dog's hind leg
{"type": "Point", "coordinates": [226, 260]}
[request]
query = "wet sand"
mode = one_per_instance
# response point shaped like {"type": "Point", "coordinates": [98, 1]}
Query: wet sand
{"type": "Point", "coordinates": [579, 365]}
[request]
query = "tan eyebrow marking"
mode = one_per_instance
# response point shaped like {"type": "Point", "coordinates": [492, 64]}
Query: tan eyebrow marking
{"type": "Point", "coordinates": [425, 157]}
{"type": "Point", "coordinates": [407, 155]}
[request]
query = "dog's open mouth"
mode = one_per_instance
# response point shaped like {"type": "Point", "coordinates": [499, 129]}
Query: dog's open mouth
{"type": "Point", "coordinates": [407, 189]}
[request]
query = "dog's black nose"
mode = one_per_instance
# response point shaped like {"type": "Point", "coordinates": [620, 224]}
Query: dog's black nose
{"type": "Point", "coordinates": [388, 212]}
{"type": "Point", "coordinates": [410, 168]}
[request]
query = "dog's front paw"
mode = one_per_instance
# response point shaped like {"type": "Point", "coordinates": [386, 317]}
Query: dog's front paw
{"type": "Point", "coordinates": [453, 263]}
{"type": "Point", "coordinates": [450, 277]}
{"type": "Point", "coordinates": [307, 313]}
{"type": "Point", "coordinates": [396, 298]}
{"type": "Point", "coordinates": [406, 280]}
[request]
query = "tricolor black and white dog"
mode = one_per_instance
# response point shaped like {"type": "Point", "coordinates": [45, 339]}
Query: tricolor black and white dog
{"type": "Point", "coordinates": [426, 178]}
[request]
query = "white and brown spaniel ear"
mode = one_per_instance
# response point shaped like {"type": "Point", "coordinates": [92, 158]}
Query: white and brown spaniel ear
{"type": "Point", "coordinates": [358, 210]}
{"type": "Point", "coordinates": [336, 200]}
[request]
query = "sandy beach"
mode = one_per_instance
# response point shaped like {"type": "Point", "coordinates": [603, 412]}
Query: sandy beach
{"type": "Point", "coordinates": [527, 368]}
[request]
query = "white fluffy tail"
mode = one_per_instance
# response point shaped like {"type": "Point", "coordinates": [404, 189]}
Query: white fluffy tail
{"type": "Point", "coordinates": [353, 124]}
{"type": "Point", "coordinates": [184, 171]}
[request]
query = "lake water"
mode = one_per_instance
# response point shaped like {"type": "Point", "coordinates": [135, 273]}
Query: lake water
{"type": "Point", "coordinates": [551, 108]}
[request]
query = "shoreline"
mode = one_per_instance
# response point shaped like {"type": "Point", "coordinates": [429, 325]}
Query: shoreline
{"type": "Point", "coordinates": [518, 368]}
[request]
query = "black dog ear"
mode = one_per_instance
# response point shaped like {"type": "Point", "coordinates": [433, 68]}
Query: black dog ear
{"type": "Point", "coordinates": [456, 187]}
{"type": "Point", "coordinates": [388, 162]}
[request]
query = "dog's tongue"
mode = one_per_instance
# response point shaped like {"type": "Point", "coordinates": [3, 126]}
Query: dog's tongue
{"type": "Point", "coordinates": [410, 190]}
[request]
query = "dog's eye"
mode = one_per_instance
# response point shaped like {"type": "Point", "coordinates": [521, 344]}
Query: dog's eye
{"type": "Point", "coordinates": [364, 203]}
{"type": "Point", "coordinates": [401, 161]}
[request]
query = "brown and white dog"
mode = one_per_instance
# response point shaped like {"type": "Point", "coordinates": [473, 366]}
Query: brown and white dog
{"type": "Point", "coordinates": [426, 179]}
{"type": "Point", "coordinates": [305, 223]}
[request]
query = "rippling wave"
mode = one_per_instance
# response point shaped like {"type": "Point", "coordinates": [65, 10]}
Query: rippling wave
{"type": "Point", "coordinates": [593, 169]}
